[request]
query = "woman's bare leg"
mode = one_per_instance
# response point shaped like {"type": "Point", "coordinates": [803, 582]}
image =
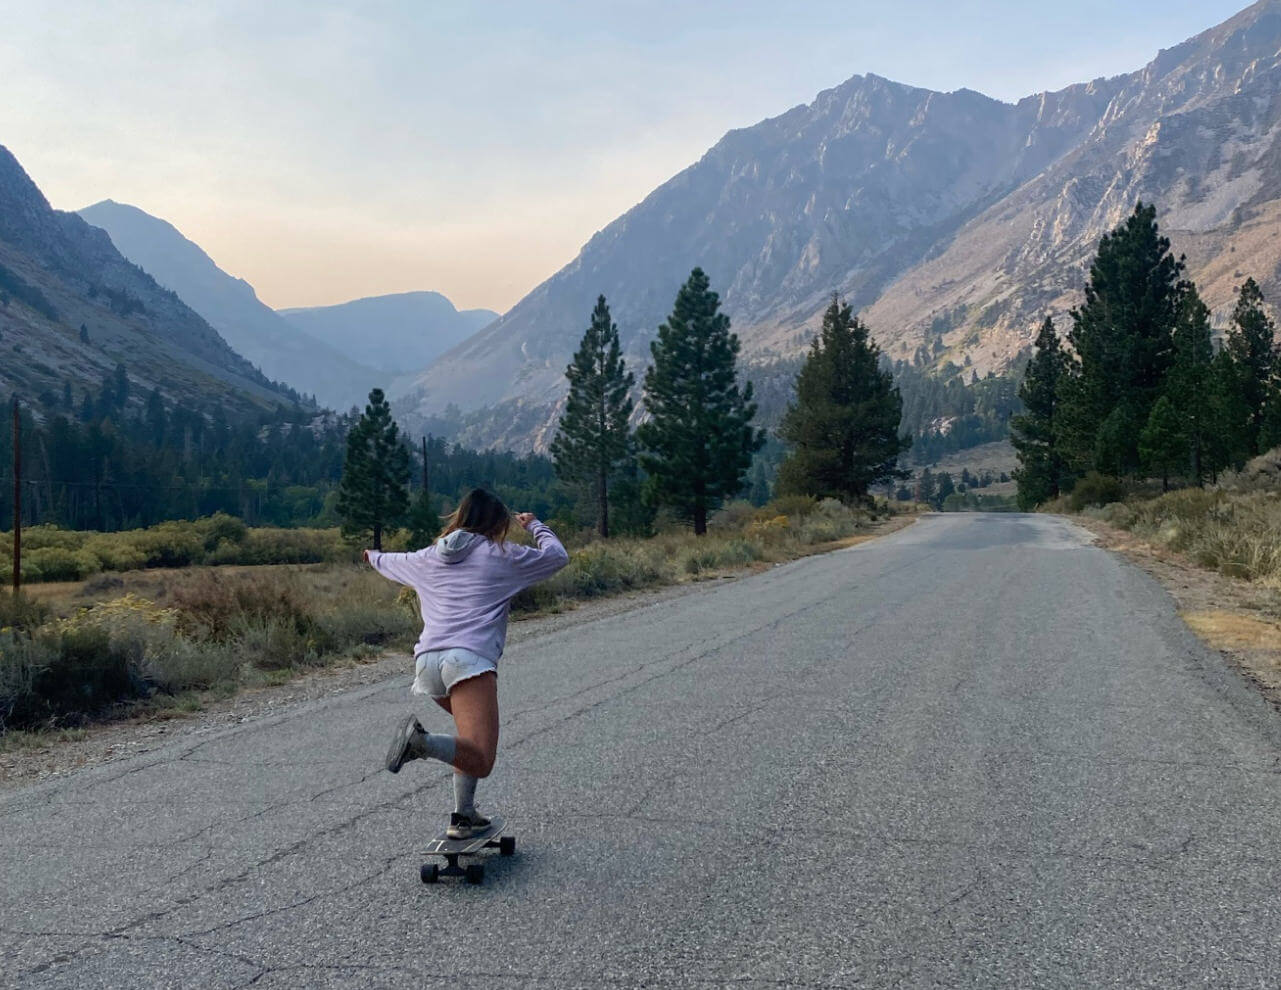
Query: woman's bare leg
{"type": "Point", "coordinates": [474, 704]}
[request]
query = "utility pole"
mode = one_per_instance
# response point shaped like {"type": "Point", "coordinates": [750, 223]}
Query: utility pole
{"type": "Point", "coordinates": [17, 499]}
{"type": "Point", "coordinates": [424, 465]}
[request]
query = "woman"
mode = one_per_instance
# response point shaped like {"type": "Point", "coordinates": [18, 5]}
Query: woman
{"type": "Point", "coordinates": [465, 582]}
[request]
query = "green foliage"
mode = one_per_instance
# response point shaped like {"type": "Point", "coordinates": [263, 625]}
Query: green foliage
{"type": "Point", "coordinates": [1042, 471]}
{"type": "Point", "coordinates": [53, 554]}
{"type": "Point", "coordinates": [943, 412]}
{"type": "Point", "coordinates": [424, 520]}
{"type": "Point", "coordinates": [1123, 341]}
{"type": "Point", "coordinates": [373, 495]}
{"type": "Point", "coordinates": [843, 426]}
{"type": "Point", "coordinates": [1162, 444]}
{"type": "Point", "coordinates": [1095, 489]}
{"type": "Point", "coordinates": [1189, 384]}
{"type": "Point", "coordinates": [592, 443]}
{"type": "Point", "coordinates": [699, 441]}
{"type": "Point", "coordinates": [1252, 344]}
{"type": "Point", "coordinates": [1229, 416]}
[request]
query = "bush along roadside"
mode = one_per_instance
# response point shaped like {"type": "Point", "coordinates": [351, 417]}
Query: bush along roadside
{"type": "Point", "coordinates": [53, 554]}
{"type": "Point", "coordinates": [214, 630]}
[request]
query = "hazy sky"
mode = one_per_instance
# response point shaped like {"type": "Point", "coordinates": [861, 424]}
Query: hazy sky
{"type": "Point", "coordinates": [325, 151]}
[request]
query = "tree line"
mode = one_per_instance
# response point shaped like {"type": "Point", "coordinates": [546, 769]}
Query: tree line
{"type": "Point", "coordinates": [694, 444]}
{"type": "Point", "coordinates": [111, 458]}
{"type": "Point", "coordinates": [690, 446]}
{"type": "Point", "coordinates": [1143, 390]}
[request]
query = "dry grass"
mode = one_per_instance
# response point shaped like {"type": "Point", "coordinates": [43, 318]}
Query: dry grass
{"type": "Point", "coordinates": [1236, 534]}
{"type": "Point", "coordinates": [1229, 630]}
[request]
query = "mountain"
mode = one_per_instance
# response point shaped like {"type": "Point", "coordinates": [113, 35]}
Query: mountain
{"type": "Point", "coordinates": [71, 308]}
{"type": "Point", "coordinates": [231, 306]}
{"type": "Point", "coordinates": [939, 215]}
{"type": "Point", "coordinates": [397, 334]}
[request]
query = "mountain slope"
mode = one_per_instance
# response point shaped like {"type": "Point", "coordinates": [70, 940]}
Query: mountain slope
{"type": "Point", "coordinates": [1197, 132]}
{"type": "Point", "coordinates": [71, 308]}
{"type": "Point", "coordinates": [232, 307]}
{"type": "Point", "coordinates": [934, 213]}
{"type": "Point", "coordinates": [397, 334]}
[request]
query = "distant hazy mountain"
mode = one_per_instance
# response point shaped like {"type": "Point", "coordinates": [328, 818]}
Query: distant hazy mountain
{"type": "Point", "coordinates": [945, 215]}
{"type": "Point", "coordinates": [231, 306]}
{"type": "Point", "coordinates": [397, 334]}
{"type": "Point", "coordinates": [71, 307]}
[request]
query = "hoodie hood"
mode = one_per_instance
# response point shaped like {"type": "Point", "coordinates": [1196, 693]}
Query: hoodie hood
{"type": "Point", "coordinates": [458, 545]}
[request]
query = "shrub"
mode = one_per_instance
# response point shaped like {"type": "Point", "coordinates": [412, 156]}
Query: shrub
{"type": "Point", "coordinates": [167, 545]}
{"type": "Point", "coordinates": [115, 551]}
{"type": "Point", "coordinates": [46, 536]}
{"type": "Point", "coordinates": [54, 563]}
{"type": "Point", "coordinates": [23, 660]}
{"type": "Point", "coordinates": [1095, 489]}
{"type": "Point", "coordinates": [21, 612]}
{"type": "Point", "coordinates": [221, 528]}
{"type": "Point", "coordinates": [791, 505]}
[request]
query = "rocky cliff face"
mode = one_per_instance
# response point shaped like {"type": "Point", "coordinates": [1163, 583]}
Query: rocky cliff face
{"type": "Point", "coordinates": [937, 214]}
{"type": "Point", "coordinates": [71, 307]}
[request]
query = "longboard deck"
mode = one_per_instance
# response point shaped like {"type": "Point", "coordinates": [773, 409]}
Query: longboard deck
{"type": "Point", "coordinates": [443, 845]}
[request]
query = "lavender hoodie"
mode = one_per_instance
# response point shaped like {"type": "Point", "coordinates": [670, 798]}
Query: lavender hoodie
{"type": "Point", "coordinates": [465, 583]}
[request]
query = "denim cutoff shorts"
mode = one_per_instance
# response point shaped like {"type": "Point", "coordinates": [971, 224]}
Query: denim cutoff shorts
{"type": "Point", "coordinates": [437, 671]}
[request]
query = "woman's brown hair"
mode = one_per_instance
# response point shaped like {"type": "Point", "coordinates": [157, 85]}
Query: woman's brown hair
{"type": "Point", "coordinates": [480, 512]}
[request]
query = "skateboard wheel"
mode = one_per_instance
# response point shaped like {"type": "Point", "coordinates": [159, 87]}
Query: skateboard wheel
{"type": "Point", "coordinates": [430, 872]}
{"type": "Point", "coordinates": [506, 845]}
{"type": "Point", "coordinates": [475, 873]}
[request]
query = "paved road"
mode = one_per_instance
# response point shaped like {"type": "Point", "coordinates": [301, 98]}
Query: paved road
{"type": "Point", "coordinates": [974, 753]}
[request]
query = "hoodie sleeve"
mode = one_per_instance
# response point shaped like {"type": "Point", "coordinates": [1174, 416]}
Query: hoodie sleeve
{"type": "Point", "coordinates": [400, 567]}
{"type": "Point", "coordinates": [533, 564]}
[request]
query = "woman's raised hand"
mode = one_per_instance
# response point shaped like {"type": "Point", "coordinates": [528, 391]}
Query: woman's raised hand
{"type": "Point", "coordinates": [525, 518]}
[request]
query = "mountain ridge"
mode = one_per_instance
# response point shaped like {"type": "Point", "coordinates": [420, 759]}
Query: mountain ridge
{"type": "Point", "coordinates": [231, 305]}
{"type": "Point", "coordinates": [397, 333]}
{"type": "Point", "coordinates": [931, 212]}
{"type": "Point", "coordinates": [75, 308]}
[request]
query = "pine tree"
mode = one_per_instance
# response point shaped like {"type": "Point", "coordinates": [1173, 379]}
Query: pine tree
{"type": "Point", "coordinates": [372, 495]}
{"type": "Point", "coordinates": [1251, 342]}
{"type": "Point", "coordinates": [843, 424]}
{"type": "Point", "coordinates": [593, 442]}
{"type": "Point", "coordinates": [699, 441]}
{"type": "Point", "coordinates": [1188, 385]}
{"type": "Point", "coordinates": [946, 486]}
{"type": "Point", "coordinates": [1229, 417]}
{"type": "Point", "coordinates": [1162, 444]}
{"type": "Point", "coordinates": [1123, 339]}
{"type": "Point", "coordinates": [1042, 471]}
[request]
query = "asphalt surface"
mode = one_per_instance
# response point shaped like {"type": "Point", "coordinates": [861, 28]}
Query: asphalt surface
{"type": "Point", "coordinates": [978, 752]}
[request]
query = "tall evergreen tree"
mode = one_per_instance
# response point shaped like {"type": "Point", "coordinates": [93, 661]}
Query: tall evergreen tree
{"type": "Point", "coordinates": [1229, 416]}
{"type": "Point", "coordinates": [1041, 470]}
{"type": "Point", "coordinates": [593, 442]}
{"type": "Point", "coordinates": [1188, 385]}
{"type": "Point", "coordinates": [698, 443]}
{"type": "Point", "coordinates": [843, 424]}
{"type": "Point", "coordinates": [373, 494]}
{"type": "Point", "coordinates": [1252, 344]}
{"type": "Point", "coordinates": [1123, 339]}
{"type": "Point", "coordinates": [1162, 444]}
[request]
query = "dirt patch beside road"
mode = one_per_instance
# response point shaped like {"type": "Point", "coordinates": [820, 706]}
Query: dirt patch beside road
{"type": "Point", "coordinates": [1240, 619]}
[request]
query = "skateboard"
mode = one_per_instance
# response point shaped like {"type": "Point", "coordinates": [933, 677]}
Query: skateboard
{"type": "Point", "coordinates": [451, 849]}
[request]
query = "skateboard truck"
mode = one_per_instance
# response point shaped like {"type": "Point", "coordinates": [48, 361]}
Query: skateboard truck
{"type": "Point", "coordinates": [452, 849]}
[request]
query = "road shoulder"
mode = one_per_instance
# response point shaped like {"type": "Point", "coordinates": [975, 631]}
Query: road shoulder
{"type": "Point", "coordinates": [1239, 619]}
